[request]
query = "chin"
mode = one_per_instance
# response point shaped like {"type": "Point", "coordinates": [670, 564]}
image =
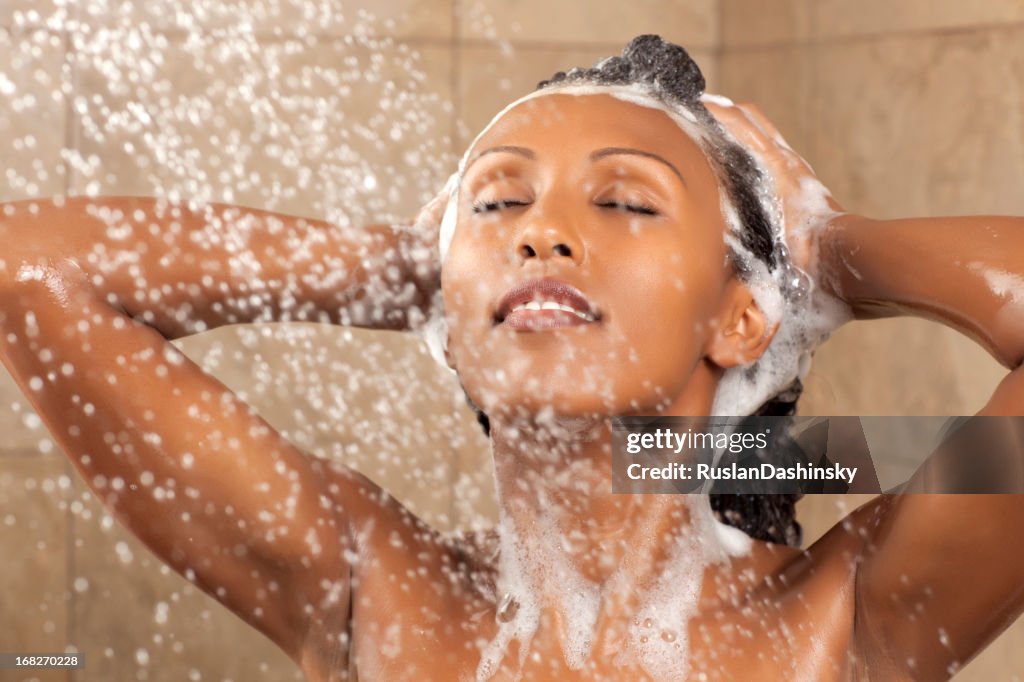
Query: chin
{"type": "Point", "coordinates": [547, 395]}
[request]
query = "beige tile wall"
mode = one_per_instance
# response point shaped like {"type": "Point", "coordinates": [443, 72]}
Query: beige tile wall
{"type": "Point", "coordinates": [903, 108]}
{"type": "Point", "coordinates": [693, 23]}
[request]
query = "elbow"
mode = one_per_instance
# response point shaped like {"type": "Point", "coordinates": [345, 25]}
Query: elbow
{"type": "Point", "coordinates": [58, 276]}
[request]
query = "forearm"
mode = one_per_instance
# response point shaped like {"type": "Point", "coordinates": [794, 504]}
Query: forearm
{"type": "Point", "coordinates": [966, 272]}
{"type": "Point", "coordinates": [184, 271]}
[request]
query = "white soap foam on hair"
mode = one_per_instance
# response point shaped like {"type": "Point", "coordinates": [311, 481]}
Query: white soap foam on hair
{"type": "Point", "coordinates": [806, 316]}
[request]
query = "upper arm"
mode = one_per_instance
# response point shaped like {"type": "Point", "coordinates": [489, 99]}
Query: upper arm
{"type": "Point", "coordinates": [941, 575]}
{"type": "Point", "coordinates": [180, 460]}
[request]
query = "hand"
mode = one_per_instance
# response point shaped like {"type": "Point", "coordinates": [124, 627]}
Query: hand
{"type": "Point", "coordinates": [422, 252]}
{"type": "Point", "coordinates": [807, 206]}
{"type": "Point", "coordinates": [428, 221]}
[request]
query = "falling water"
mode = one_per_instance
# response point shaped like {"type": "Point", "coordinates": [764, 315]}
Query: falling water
{"type": "Point", "coordinates": [306, 108]}
{"type": "Point", "coordinates": [302, 108]}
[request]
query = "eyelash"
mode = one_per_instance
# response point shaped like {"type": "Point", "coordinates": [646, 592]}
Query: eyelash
{"type": "Point", "coordinates": [642, 209]}
{"type": "Point", "coordinates": [488, 206]}
{"type": "Point", "coordinates": [635, 207]}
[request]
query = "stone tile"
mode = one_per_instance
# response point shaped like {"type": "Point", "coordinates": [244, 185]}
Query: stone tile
{"type": "Point", "coordinates": [23, 431]}
{"type": "Point", "coordinates": [491, 77]}
{"type": "Point", "coordinates": [32, 127]}
{"type": "Point", "coordinates": [776, 79]}
{"type": "Point", "coordinates": [893, 366]}
{"type": "Point", "coordinates": [420, 19]}
{"type": "Point", "coordinates": [137, 619]}
{"type": "Point", "coordinates": [351, 133]}
{"type": "Point", "coordinates": [832, 18]}
{"type": "Point", "coordinates": [915, 126]}
{"type": "Point", "coordinates": [763, 22]}
{"type": "Point", "coordinates": [34, 494]}
{"type": "Point", "coordinates": [711, 66]}
{"type": "Point", "coordinates": [920, 126]}
{"type": "Point", "coordinates": [1001, 660]}
{"type": "Point", "coordinates": [977, 373]}
{"type": "Point", "coordinates": [22, 14]}
{"type": "Point", "coordinates": [691, 23]}
{"type": "Point", "coordinates": [817, 514]}
{"type": "Point", "coordinates": [374, 400]}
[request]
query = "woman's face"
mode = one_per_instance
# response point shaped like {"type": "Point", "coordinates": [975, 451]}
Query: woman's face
{"type": "Point", "coordinates": [611, 198]}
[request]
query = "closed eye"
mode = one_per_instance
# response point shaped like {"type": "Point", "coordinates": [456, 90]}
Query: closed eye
{"type": "Point", "coordinates": [488, 206]}
{"type": "Point", "coordinates": [642, 209]}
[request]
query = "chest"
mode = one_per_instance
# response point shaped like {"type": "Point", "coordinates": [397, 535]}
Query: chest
{"type": "Point", "coordinates": [800, 633]}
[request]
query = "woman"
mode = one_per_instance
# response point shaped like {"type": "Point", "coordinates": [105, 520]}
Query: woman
{"type": "Point", "coordinates": [648, 226]}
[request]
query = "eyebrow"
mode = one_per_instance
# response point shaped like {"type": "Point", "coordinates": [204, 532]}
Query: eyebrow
{"type": "Point", "coordinates": [595, 156]}
{"type": "Point", "coordinates": [613, 151]}
{"type": "Point", "coordinates": [511, 149]}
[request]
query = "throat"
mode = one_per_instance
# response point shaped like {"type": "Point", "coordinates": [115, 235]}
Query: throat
{"type": "Point", "coordinates": [634, 608]}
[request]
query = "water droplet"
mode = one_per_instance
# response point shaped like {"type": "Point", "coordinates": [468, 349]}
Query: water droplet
{"type": "Point", "coordinates": [507, 608]}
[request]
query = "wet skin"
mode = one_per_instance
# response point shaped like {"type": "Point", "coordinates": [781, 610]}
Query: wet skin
{"type": "Point", "coordinates": [359, 584]}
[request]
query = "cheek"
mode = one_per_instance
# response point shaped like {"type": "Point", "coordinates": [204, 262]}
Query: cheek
{"type": "Point", "coordinates": [465, 290]}
{"type": "Point", "coordinates": [664, 312]}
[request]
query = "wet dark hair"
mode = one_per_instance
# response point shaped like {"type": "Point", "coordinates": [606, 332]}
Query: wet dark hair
{"type": "Point", "coordinates": [668, 73]}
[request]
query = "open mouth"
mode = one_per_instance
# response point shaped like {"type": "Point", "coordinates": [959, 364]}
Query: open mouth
{"type": "Point", "coordinates": [544, 304]}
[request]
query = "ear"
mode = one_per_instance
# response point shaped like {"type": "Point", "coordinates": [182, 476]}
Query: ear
{"type": "Point", "coordinates": [741, 331]}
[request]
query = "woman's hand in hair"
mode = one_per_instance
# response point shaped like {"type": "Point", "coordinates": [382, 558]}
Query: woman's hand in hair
{"type": "Point", "coordinates": [807, 206]}
{"type": "Point", "coordinates": [422, 256]}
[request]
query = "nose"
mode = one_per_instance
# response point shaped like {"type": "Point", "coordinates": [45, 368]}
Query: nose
{"type": "Point", "coordinates": [546, 237]}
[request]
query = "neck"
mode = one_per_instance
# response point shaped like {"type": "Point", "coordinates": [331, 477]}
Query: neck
{"type": "Point", "coordinates": [554, 478]}
{"type": "Point", "coordinates": [595, 569]}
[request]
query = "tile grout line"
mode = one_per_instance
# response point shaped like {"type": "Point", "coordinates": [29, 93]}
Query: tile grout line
{"type": "Point", "coordinates": [268, 36]}
{"type": "Point", "coordinates": [456, 59]}
{"type": "Point", "coordinates": [455, 82]}
{"type": "Point", "coordinates": [264, 36]}
{"type": "Point", "coordinates": [70, 142]}
{"type": "Point", "coordinates": [719, 49]}
{"type": "Point", "coordinates": [859, 38]}
{"type": "Point", "coordinates": [70, 566]}
{"type": "Point", "coordinates": [69, 126]}
{"type": "Point", "coordinates": [807, 90]}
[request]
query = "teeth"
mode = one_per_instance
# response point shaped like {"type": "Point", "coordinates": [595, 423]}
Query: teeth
{"type": "Point", "coordinates": [552, 305]}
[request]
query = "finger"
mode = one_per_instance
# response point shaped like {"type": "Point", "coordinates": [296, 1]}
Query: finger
{"type": "Point", "coordinates": [745, 129]}
{"type": "Point", "coordinates": [754, 112]}
{"type": "Point", "coordinates": [433, 212]}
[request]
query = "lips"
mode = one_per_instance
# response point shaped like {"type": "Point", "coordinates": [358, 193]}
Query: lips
{"type": "Point", "coordinates": [543, 292]}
